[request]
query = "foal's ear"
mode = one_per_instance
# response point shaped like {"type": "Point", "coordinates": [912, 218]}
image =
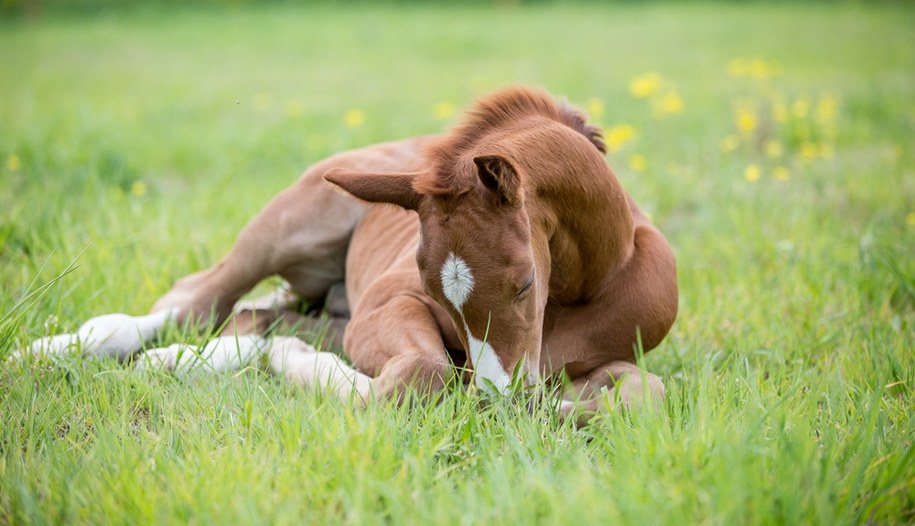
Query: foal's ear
{"type": "Point", "coordinates": [497, 174]}
{"type": "Point", "coordinates": [394, 188]}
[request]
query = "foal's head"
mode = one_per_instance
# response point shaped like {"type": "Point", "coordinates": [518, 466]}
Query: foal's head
{"type": "Point", "coordinates": [484, 253]}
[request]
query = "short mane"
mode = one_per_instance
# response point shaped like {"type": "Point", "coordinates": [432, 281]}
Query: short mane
{"type": "Point", "coordinates": [496, 111]}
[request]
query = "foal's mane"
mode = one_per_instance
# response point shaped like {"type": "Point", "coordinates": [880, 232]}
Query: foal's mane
{"type": "Point", "coordinates": [498, 111]}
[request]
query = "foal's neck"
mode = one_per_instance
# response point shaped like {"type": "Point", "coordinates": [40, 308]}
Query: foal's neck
{"type": "Point", "coordinates": [592, 230]}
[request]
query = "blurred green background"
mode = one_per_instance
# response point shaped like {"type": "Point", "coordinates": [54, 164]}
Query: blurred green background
{"type": "Point", "coordinates": [773, 144]}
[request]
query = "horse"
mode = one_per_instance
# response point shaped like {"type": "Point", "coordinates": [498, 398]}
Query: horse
{"type": "Point", "coordinates": [503, 249]}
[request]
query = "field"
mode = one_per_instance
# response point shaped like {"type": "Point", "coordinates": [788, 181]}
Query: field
{"type": "Point", "coordinates": [773, 145]}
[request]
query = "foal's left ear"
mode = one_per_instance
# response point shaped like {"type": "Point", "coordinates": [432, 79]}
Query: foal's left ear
{"type": "Point", "coordinates": [394, 188]}
{"type": "Point", "coordinates": [497, 174]}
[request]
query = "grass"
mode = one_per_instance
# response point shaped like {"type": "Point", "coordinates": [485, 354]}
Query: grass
{"type": "Point", "coordinates": [137, 144]}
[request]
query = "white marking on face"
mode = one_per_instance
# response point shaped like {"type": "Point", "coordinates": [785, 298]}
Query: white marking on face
{"type": "Point", "coordinates": [457, 281]}
{"type": "Point", "coordinates": [488, 371]}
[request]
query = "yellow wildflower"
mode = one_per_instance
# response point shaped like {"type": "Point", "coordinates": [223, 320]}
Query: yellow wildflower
{"type": "Point", "coordinates": [638, 163]}
{"type": "Point", "coordinates": [800, 108]}
{"type": "Point", "coordinates": [618, 135]}
{"type": "Point", "coordinates": [756, 68]}
{"type": "Point", "coordinates": [746, 120]}
{"type": "Point", "coordinates": [827, 108]}
{"type": "Point", "coordinates": [354, 118]}
{"type": "Point", "coordinates": [645, 85]}
{"type": "Point", "coordinates": [669, 104]}
{"type": "Point", "coordinates": [295, 108]}
{"type": "Point", "coordinates": [730, 143]}
{"type": "Point", "coordinates": [444, 110]}
{"type": "Point", "coordinates": [773, 149]}
{"type": "Point", "coordinates": [594, 107]}
{"type": "Point", "coordinates": [751, 173]}
{"type": "Point", "coordinates": [760, 69]}
{"type": "Point", "coordinates": [138, 188]}
{"type": "Point", "coordinates": [809, 150]}
{"type": "Point", "coordinates": [781, 173]}
{"type": "Point", "coordinates": [13, 163]}
{"type": "Point", "coordinates": [910, 219]}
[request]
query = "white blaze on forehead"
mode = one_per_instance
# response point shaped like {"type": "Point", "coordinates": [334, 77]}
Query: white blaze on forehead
{"type": "Point", "coordinates": [457, 281]}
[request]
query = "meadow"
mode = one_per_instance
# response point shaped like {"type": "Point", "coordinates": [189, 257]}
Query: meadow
{"type": "Point", "coordinates": [773, 145]}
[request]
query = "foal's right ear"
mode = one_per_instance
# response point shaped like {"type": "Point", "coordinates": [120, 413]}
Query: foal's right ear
{"type": "Point", "coordinates": [394, 188]}
{"type": "Point", "coordinates": [497, 174]}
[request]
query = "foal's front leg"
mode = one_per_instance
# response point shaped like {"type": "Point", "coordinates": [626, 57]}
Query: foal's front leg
{"type": "Point", "coordinates": [400, 344]}
{"type": "Point", "coordinates": [285, 356]}
{"type": "Point", "coordinates": [620, 380]}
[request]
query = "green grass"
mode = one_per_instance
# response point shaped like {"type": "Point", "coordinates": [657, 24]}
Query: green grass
{"type": "Point", "coordinates": [137, 145]}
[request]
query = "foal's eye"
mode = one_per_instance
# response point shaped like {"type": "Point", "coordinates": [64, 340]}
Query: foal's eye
{"type": "Point", "coordinates": [526, 287]}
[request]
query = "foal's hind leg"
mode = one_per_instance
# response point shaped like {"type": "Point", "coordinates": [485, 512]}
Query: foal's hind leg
{"type": "Point", "coordinates": [302, 235]}
{"type": "Point", "coordinates": [288, 357]}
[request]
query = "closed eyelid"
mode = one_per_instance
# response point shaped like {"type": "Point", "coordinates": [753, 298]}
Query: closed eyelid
{"type": "Point", "coordinates": [527, 285]}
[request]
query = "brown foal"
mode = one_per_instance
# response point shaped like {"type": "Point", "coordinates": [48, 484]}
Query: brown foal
{"type": "Point", "coordinates": [511, 247]}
